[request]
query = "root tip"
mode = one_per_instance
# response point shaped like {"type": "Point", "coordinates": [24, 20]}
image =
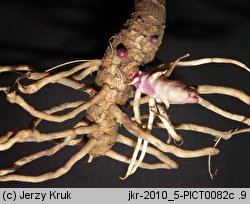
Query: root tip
{"type": "Point", "coordinates": [175, 166]}
{"type": "Point", "coordinates": [214, 151]}
{"type": "Point", "coordinates": [1, 178]}
{"type": "Point", "coordinates": [122, 178]}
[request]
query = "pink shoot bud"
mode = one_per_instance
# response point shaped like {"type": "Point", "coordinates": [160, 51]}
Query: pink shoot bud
{"type": "Point", "coordinates": [161, 88]}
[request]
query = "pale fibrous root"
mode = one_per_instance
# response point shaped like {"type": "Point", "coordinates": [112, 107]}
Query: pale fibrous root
{"type": "Point", "coordinates": [136, 110]}
{"type": "Point", "coordinates": [58, 139]}
{"type": "Point", "coordinates": [167, 72]}
{"type": "Point", "coordinates": [202, 89]}
{"type": "Point", "coordinates": [226, 114]}
{"type": "Point", "coordinates": [209, 162]}
{"type": "Point", "coordinates": [134, 164]}
{"type": "Point", "coordinates": [160, 112]}
{"type": "Point", "coordinates": [150, 150]}
{"type": "Point", "coordinates": [168, 124]}
{"type": "Point", "coordinates": [28, 159]}
{"type": "Point", "coordinates": [66, 78]}
{"type": "Point", "coordinates": [68, 137]}
{"type": "Point", "coordinates": [34, 135]}
{"type": "Point", "coordinates": [12, 97]}
{"type": "Point", "coordinates": [59, 172]}
{"type": "Point", "coordinates": [29, 135]}
{"type": "Point", "coordinates": [72, 78]}
{"type": "Point", "coordinates": [208, 89]}
{"type": "Point", "coordinates": [152, 106]}
{"type": "Point", "coordinates": [68, 140]}
{"type": "Point", "coordinates": [15, 68]}
{"type": "Point", "coordinates": [32, 88]}
{"type": "Point", "coordinates": [44, 79]}
{"type": "Point", "coordinates": [167, 148]}
{"type": "Point", "coordinates": [211, 60]}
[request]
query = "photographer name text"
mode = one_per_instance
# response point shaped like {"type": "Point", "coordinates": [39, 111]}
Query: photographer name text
{"type": "Point", "coordinates": [41, 196]}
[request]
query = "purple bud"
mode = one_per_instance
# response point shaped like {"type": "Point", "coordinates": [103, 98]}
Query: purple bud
{"type": "Point", "coordinates": [153, 39]}
{"type": "Point", "coordinates": [122, 52]}
{"type": "Point", "coordinates": [104, 69]}
{"type": "Point", "coordinates": [132, 75]}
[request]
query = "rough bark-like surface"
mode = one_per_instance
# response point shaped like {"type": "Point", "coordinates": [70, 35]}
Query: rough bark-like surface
{"type": "Point", "coordinates": [134, 46]}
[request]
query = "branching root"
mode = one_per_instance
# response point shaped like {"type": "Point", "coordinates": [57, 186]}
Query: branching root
{"type": "Point", "coordinates": [135, 130]}
{"type": "Point", "coordinates": [59, 172]}
{"type": "Point", "coordinates": [12, 97]}
{"type": "Point", "coordinates": [157, 109]}
{"type": "Point", "coordinates": [32, 88]}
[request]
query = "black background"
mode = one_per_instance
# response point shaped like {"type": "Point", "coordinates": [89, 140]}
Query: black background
{"type": "Point", "coordinates": [46, 33]}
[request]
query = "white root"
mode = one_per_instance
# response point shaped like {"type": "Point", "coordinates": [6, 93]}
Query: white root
{"type": "Point", "coordinates": [168, 71]}
{"type": "Point", "coordinates": [173, 65]}
{"type": "Point", "coordinates": [136, 109]}
{"type": "Point", "coordinates": [144, 137]}
{"type": "Point", "coordinates": [236, 117]}
{"type": "Point", "coordinates": [226, 135]}
{"type": "Point", "coordinates": [135, 130]}
{"type": "Point", "coordinates": [56, 109]}
{"type": "Point", "coordinates": [144, 99]}
{"type": "Point", "coordinates": [32, 88]}
{"type": "Point", "coordinates": [116, 156]}
{"type": "Point", "coordinates": [32, 157]}
{"type": "Point", "coordinates": [64, 64]}
{"type": "Point", "coordinates": [208, 89]}
{"type": "Point", "coordinates": [150, 150]}
{"type": "Point", "coordinates": [14, 68]}
{"type": "Point", "coordinates": [35, 136]}
{"type": "Point", "coordinates": [152, 106]}
{"type": "Point", "coordinates": [14, 98]}
{"type": "Point", "coordinates": [167, 123]}
{"type": "Point", "coordinates": [212, 60]}
{"type": "Point", "coordinates": [76, 85]}
{"type": "Point", "coordinates": [209, 161]}
{"type": "Point", "coordinates": [86, 72]}
{"type": "Point", "coordinates": [52, 175]}
{"type": "Point", "coordinates": [5, 137]}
